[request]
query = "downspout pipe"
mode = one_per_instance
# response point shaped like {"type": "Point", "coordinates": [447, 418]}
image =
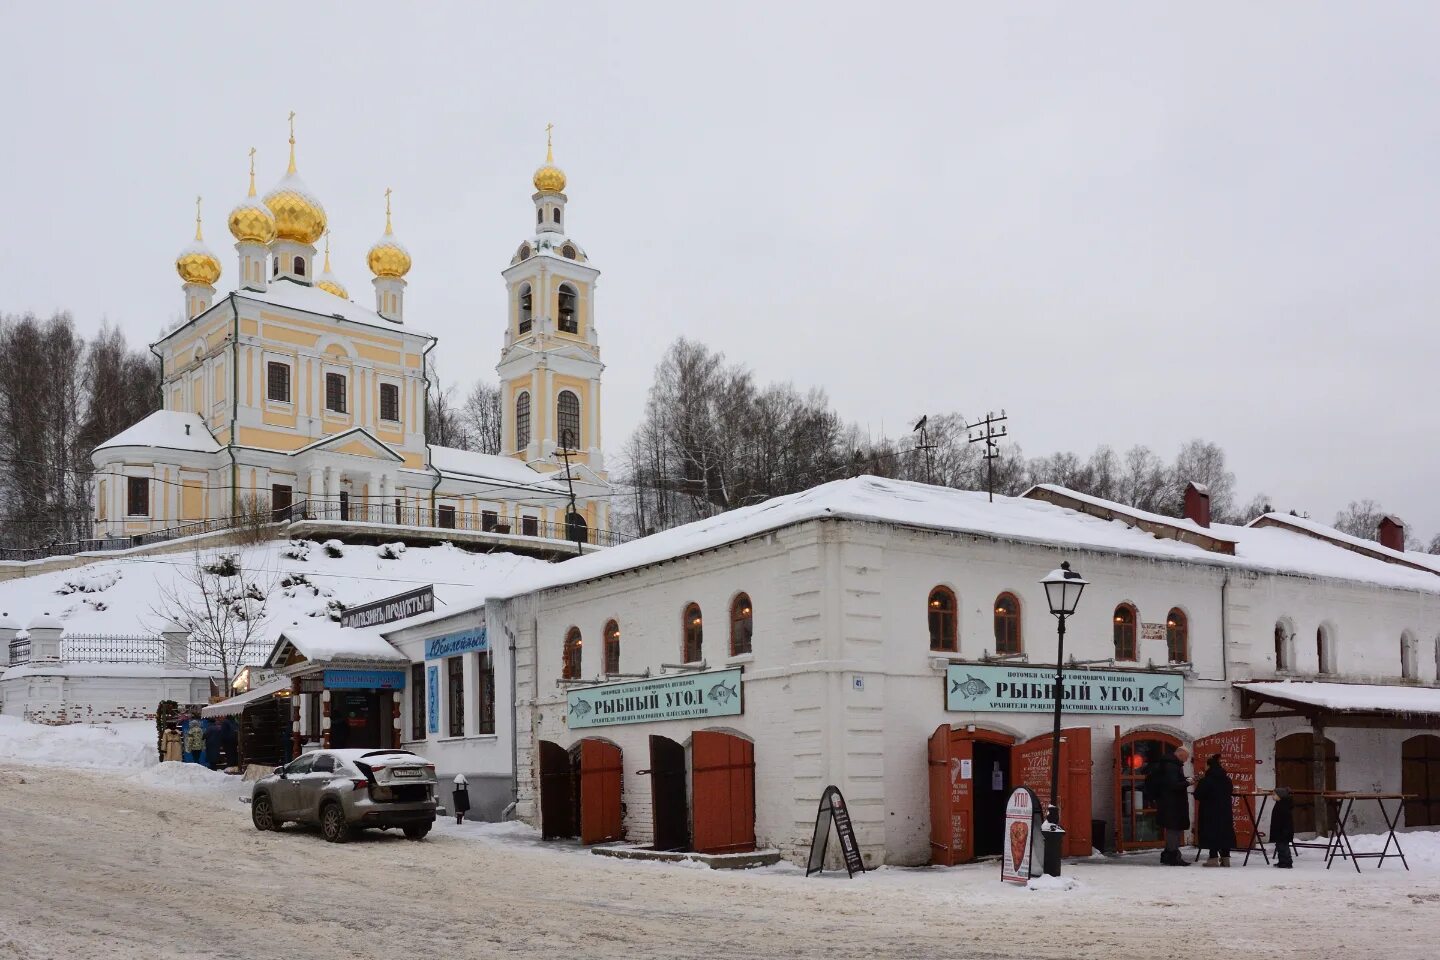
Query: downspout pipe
{"type": "Point", "coordinates": [514, 721]}
{"type": "Point", "coordinates": [234, 407]}
{"type": "Point", "coordinates": [429, 460]}
{"type": "Point", "coordinates": [1225, 629]}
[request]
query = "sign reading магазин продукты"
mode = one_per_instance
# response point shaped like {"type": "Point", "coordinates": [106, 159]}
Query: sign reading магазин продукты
{"type": "Point", "coordinates": [985, 688]}
{"type": "Point", "coordinates": [718, 693]}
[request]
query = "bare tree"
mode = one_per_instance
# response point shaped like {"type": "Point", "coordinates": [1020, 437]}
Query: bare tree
{"type": "Point", "coordinates": [222, 603]}
{"type": "Point", "coordinates": [1360, 519]}
{"type": "Point", "coordinates": [443, 424]}
{"type": "Point", "coordinates": [1203, 462]}
{"type": "Point", "coordinates": [483, 416]}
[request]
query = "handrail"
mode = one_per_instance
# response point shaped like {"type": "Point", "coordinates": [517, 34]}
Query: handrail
{"type": "Point", "coordinates": [444, 518]}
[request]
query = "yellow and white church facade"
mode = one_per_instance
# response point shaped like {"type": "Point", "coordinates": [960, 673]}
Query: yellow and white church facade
{"type": "Point", "coordinates": [285, 395]}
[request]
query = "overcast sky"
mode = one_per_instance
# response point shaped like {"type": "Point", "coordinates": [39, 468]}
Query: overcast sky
{"type": "Point", "coordinates": [1122, 223]}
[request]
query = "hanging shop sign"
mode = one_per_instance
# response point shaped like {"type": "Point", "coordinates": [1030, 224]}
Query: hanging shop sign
{"type": "Point", "coordinates": [1152, 631]}
{"type": "Point", "coordinates": [1005, 689]}
{"type": "Point", "coordinates": [398, 607]}
{"type": "Point", "coordinates": [1021, 854]}
{"type": "Point", "coordinates": [833, 810]}
{"type": "Point", "coordinates": [365, 679]}
{"type": "Point", "coordinates": [451, 644]}
{"type": "Point", "coordinates": [718, 693]}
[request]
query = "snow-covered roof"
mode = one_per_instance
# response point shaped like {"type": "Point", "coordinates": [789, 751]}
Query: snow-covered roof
{"type": "Point", "coordinates": [240, 701]}
{"type": "Point", "coordinates": [93, 669]}
{"type": "Point", "coordinates": [327, 641]}
{"type": "Point", "coordinates": [336, 439]}
{"type": "Point", "coordinates": [1008, 518]}
{"type": "Point", "coordinates": [168, 429]}
{"type": "Point", "coordinates": [468, 465]}
{"type": "Point", "coordinates": [1359, 544]}
{"type": "Point", "coordinates": [1349, 697]}
{"type": "Point", "coordinates": [297, 296]}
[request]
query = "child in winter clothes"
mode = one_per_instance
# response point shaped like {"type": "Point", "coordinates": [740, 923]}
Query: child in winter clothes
{"type": "Point", "coordinates": [1282, 826]}
{"type": "Point", "coordinates": [194, 741]}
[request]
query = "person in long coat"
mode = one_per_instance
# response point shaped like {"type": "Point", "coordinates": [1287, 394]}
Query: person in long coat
{"type": "Point", "coordinates": [214, 744]}
{"type": "Point", "coordinates": [1166, 788]}
{"type": "Point", "coordinates": [171, 750]}
{"type": "Point", "coordinates": [1282, 826]}
{"type": "Point", "coordinates": [230, 734]}
{"type": "Point", "coordinates": [1215, 819]}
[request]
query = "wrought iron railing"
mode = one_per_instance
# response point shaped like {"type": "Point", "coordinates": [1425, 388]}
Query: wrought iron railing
{"type": "Point", "coordinates": [137, 648]}
{"type": "Point", "coordinates": [444, 518]}
{"type": "Point", "coordinates": [19, 652]}
{"type": "Point", "coordinates": [101, 544]}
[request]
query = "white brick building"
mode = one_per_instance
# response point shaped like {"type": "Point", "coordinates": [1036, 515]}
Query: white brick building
{"type": "Point", "coordinates": [845, 681]}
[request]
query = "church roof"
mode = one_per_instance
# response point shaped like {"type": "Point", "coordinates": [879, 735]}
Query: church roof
{"type": "Point", "coordinates": [297, 296]}
{"type": "Point", "coordinates": [468, 465]}
{"type": "Point", "coordinates": [168, 429]}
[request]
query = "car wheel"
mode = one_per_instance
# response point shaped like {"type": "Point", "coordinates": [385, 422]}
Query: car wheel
{"type": "Point", "coordinates": [333, 825]}
{"type": "Point", "coordinates": [416, 831]}
{"type": "Point", "coordinates": [262, 814]}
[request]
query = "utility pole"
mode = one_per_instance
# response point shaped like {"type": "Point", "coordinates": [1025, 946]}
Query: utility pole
{"type": "Point", "coordinates": [992, 449]}
{"type": "Point", "coordinates": [570, 527]}
{"type": "Point", "coordinates": [925, 446]}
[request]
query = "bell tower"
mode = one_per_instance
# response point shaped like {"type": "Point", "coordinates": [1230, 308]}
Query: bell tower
{"type": "Point", "coordinates": [550, 367]}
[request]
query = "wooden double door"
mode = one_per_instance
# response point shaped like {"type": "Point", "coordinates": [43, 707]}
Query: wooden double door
{"type": "Point", "coordinates": [721, 785]}
{"type": "Point", "coordinates": [580, 791]}
{"type": "Point", "coordinates": [972, 773]}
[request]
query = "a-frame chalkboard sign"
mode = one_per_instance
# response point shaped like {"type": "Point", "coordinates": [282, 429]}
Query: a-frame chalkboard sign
{"type": "Point", "coordinates": [833, 810]}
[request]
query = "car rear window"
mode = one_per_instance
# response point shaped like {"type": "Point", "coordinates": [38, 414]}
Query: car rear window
{"type": "Point", "coordinates": [389, 753]}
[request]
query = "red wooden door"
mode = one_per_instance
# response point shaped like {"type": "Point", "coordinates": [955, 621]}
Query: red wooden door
{"type": "Point", "coordinates": [952, 802]}
{"type": "Point", "coordinates": [599, 792]}
{"type": "Point", "coordinates": [1030, 767]}
{"type": "Point", "coordinates": [722, 782]}
{"type": "Point", "coordinates": [1237, 755]}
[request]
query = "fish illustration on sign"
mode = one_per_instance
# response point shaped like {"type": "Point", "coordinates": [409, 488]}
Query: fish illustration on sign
{"type": "Point", "coordinates": [970, 687]}
{"type": "Point", "coordinates": [721, 694]}
{"type": "Point", "coordinates": [1164, 695]}
{"type": "Point", "coordinates": [580, 708]}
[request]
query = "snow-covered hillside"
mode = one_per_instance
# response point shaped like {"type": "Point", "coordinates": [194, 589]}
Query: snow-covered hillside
{"type": "Point", "coordinates": [300, 581]}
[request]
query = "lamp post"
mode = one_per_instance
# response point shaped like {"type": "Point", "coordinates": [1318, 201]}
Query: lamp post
{"type": "Point", "coordinates": [1062, 590]}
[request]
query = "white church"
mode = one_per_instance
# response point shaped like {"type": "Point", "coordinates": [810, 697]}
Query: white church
{"type": "Point", "coordinates": [287, 396]}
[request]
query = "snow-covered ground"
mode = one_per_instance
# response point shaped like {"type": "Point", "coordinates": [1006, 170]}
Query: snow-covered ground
{"type": "Point", "coordinates": [126, 858]}
{"type": "Point", "coordinates": [129, 595]}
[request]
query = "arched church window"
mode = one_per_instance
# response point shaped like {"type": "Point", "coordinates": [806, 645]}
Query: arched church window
{"type": "Point", "coordinates": [275, 264]}
{"type": "Point", "coordinates": [567, 419]}
{"type": "Point", "coordinates": [524, 251]}
{"type": "Point", "coordinates": [555, 215]}
{"type": "Point", "coordinates": [569, 322]}
{"type": "Point", "coordinates": [526, 308]}
{"type": "Point", "coordinates": [299, 266]}
{"type": "Point", "coordinates": [539, 216]}
{"type": "Point", "coordinates": [522, 421]}
{"type": "Point", "coordinates": [568, 252]}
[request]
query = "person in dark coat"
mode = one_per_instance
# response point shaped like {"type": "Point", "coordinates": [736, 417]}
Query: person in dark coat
{"type": "Point", "coordinates": [1282, 826]}
{"type": "Point", "coordinates": [230, 734]}
{"type": "Point", "coordinates": [214, 744]}
{"type": "Point", "coordinates": [1166, 789]}
{"type": "Point", "coordinates": [1215, 818]}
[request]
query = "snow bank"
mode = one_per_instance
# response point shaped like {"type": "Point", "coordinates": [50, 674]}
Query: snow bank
{"type": "Point", "coordinates": [1052, 884]}
{"type": "Point", "coordinates": [124, 745]}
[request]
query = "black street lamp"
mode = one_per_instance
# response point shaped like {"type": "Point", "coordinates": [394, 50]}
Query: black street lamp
{"type": "Point", "coordinates": [1062, 590]}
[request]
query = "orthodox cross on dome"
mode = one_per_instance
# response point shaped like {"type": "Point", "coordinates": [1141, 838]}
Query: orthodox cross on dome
{"type": "Point", "coordinates": [388, 230]}
{"type": "Point", "coordinates": [292, 142]}
{"type": "Point", "coordinates": [549, 148]}
{"type": "Point", "coordinates": [252, 172]}
{"type": "Point", "coordinates": [197, 219]}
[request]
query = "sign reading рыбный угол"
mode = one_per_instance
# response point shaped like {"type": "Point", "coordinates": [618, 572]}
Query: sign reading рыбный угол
{"type": "Point", "coordinates": [719, 693]}
{"type": "Point", "coordinates": [985, 688]}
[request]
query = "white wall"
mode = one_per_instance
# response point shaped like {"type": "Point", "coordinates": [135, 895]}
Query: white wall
{"type": "Point", "coordinates": [95, 693]}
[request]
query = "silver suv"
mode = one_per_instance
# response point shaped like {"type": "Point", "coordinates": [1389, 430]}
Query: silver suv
{"type": "Point", "coordinates": [346, 790]}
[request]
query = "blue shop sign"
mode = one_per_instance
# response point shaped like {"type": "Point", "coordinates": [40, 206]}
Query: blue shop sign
{"type": "Point", "coordinates": [365, 679]}
{"type": "Point", "coordinates": [451, 644]}
{"type": "Point", "coordinates": [432, 699]}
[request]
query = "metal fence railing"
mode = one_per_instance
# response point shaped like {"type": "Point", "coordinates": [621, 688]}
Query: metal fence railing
{"type": "Point", "coordinates": [446, 518]}
{"type": "Point", "coordinates": [138, 648]}
{"type": "Point", "coordinates": [19, 652]}
{"type": "Point", "coordinates": [101, 544]}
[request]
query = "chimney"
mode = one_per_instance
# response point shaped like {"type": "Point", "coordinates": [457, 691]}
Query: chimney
{"type": "Point", "coordinates": [1197, 503]}
{"type": "Point", "coordinates": [1392, 533]}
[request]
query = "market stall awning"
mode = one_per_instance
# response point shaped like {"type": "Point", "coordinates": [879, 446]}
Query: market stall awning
{"type": "Point", "coordinates": [240, 701]}
{"type": "Point", "coordinates": [1342, 704]}
{"type": "Point", "coordinates": [329, 642]}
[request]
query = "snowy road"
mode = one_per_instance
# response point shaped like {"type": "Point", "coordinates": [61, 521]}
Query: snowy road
{"type": "Point", "coordinates": [94, 865]}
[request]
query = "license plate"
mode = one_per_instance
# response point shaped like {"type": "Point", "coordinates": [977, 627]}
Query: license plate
{"type": "Point", "coordinates": [406, 773]}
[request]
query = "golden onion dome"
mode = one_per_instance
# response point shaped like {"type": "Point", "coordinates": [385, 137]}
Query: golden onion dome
{"type": "Point", "coordinates": [549, 178]}
{"type": "Point", "coordinates": [251, 221]}
{"type": "Point", "coordinates": [327, 280]}
{"type": "Point", "coordinates": [195, 263]}
{"type": "Point", "coordinates": [388, 258]}
{"type": "Point", "coordinates": [298, 215]}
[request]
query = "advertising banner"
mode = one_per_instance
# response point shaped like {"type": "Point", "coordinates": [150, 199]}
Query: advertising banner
{"type": "Point", "coordinates": [432, 698]}
{"type": "Point", "coordinates": [717, 693]}
{"type": "Point", "coordinates": [1023, 689]}
{"type": "Point", "coordinates": [451, 644]}
{"type": "Point", "coordinates": [1021, 855]}
{"type": "Point", "coordinates": [833, 810]}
